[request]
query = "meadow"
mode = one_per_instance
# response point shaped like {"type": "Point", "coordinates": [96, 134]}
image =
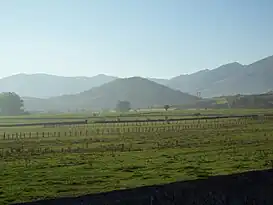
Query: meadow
{"type": "Point", "coordinates": [45, 162]}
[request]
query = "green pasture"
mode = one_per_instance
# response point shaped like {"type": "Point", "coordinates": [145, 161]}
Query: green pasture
{"type": "Point", "coordinates": [132, 115]}
{"type": "Point", "coordinates": [77, 160]}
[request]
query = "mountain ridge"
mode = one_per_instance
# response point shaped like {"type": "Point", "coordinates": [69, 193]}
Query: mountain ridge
{"type": "Point", "coordinates": [24, 85]}
{"type": "Point", "coordinates": [231, 78]}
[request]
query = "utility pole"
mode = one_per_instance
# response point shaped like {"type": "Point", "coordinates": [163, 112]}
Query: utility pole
{"type": "Point", "coordinates": [199, 94]}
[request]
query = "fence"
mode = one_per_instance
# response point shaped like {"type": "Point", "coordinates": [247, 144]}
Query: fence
{"type": "Point", "coordinates": [46, 124]}
{"type": "Point", "coordinates": [176, 120]}
{"type": "Point", "coordinates": [125, 128]}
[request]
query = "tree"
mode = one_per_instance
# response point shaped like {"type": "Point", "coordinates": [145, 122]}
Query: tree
{"type": "Point", "coordinates": [123, 106]}
{"type": "Point", "coordinates": [11, 104]}
{"type": "Point", "coordinates": [166, 107]}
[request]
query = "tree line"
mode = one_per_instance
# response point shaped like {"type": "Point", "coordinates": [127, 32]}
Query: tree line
{"type": "Point", "coordinates": [11, 104]}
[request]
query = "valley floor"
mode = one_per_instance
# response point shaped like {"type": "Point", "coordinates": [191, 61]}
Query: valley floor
{"type": "Point", "coordinates": [38, 163]}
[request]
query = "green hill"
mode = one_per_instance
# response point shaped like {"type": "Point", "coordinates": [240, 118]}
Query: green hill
{"type": "Point", "coordinates": [139, 91]}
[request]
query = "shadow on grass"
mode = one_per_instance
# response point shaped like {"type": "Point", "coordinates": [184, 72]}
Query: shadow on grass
{"type": "Point", "coordinates": [254, 187]}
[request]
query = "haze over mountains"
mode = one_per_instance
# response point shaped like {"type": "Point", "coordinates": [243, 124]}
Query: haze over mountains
{"type": "Point", "coordinates": [104, 91]}
{"type": "Point", "coordinates": [45, 85]}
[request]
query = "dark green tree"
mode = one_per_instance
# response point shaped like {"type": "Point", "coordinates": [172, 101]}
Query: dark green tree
{"type": "Point", "coordinates": [166, 107]}
{"type": "Point", "coordinates": [123, 106]}
{"type": "Point", "coordinates": [11, 104]}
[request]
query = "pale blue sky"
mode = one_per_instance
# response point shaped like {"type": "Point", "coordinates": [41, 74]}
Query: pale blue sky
{"type": "Point", "coordinates": [159, 38]}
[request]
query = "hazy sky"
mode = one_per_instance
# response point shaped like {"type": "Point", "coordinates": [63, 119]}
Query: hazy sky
{"type": "Point", "coordinates": [160, 38]}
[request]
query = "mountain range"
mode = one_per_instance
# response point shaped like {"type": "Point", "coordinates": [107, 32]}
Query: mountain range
{"type": "Point", "coordinates": [229, 79]}
{"type": "Point", "coordinates": [232, 78]}
{"type": "Point", "coordinates": [103, 91]}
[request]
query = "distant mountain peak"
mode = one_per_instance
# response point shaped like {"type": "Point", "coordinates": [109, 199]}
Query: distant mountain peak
{"type": "Point", "coordinates": [229, 65]}
{"type": "Point", "coordinates": [102, 75]}
{"type": "Point", "coordinates": [46, 85]}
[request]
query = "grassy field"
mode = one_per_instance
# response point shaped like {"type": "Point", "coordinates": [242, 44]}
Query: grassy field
{"type": "Point", "coordinates": [37, 162]}
{"type": "Point", "coordinates": [144, 114]}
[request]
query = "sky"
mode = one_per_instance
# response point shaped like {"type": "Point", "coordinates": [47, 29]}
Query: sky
{"type": "Point", "coordinates": [148, 38]}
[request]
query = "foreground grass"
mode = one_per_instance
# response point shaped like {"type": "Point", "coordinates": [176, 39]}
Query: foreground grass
{"type": "Point", "coordinates": [129, 160]}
